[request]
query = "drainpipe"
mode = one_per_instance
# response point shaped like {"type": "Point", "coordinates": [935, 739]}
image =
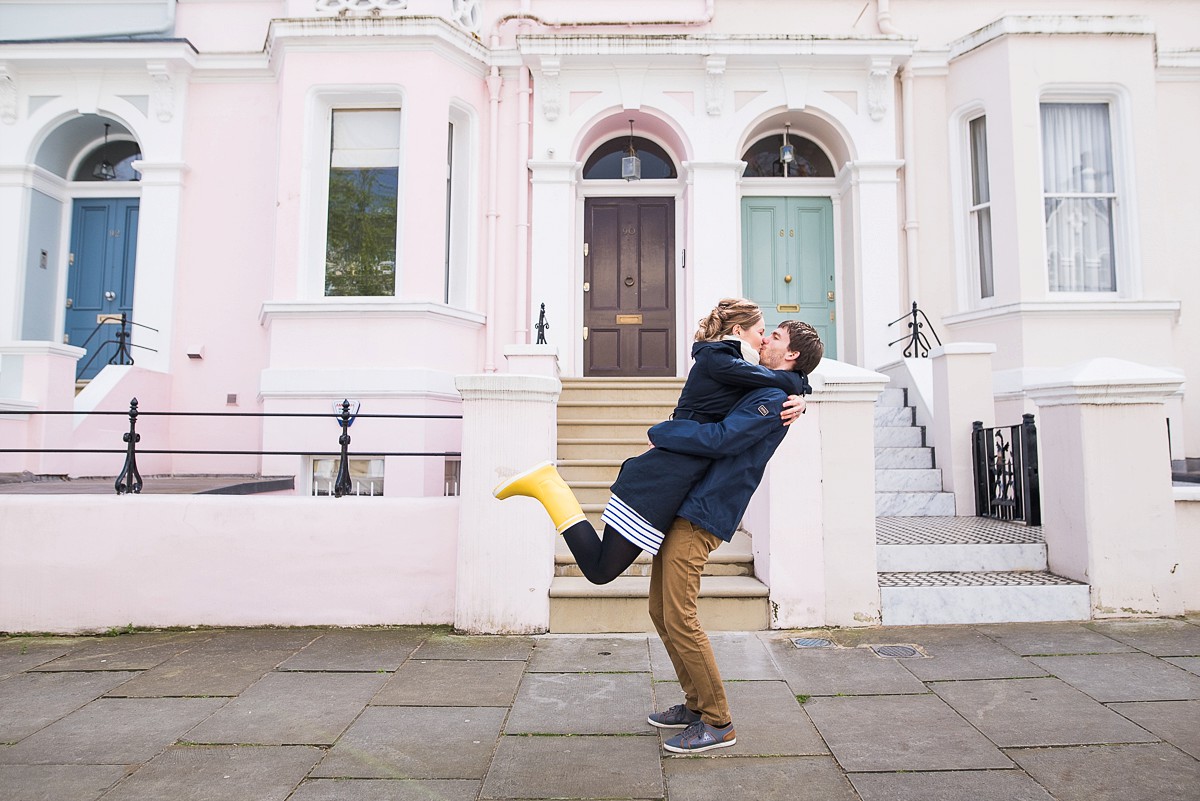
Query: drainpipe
{"type": "Point", "coordinates": [494, 83]}
{"type": "Point", "coordinates": [524, 96]}
{"type": "Point", "coordinates": [883, 19]}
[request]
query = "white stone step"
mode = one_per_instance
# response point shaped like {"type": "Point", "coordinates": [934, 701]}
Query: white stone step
{"type": "Point", "coordinates": [914, 504]}
{"type": "Point", "coordinates": [913, 458]}
{"type": "Point", "coordinates": [589, 469]}
{"type": "Point", "coordinates": [908, 480]}
{"type": "Point", "coordinates": [893, 416]}
{"type": "Point", "coordinates": [611, 410]}
{"type": "Point", "coordinates": [899, 437]}
{"type": "Point", "coordinates": [602, 447]}
{"type": "Point", "coordinates": [956, 544]}
{"type": "Point", "coordinates": [598, 428]}
{"type": "Point", "coordinates": [726, 603]}
{"type": "Point", "coordinates": [920, 599]}
{"type": "Point", "coordinates": [893, 397]}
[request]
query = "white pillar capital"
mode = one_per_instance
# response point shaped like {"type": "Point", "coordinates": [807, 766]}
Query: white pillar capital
{"type": "Point", "coordinates": [1105, 382]}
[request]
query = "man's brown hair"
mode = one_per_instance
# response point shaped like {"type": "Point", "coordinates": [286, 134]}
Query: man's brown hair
{"type": "Point", "coordinates": [805, 340]}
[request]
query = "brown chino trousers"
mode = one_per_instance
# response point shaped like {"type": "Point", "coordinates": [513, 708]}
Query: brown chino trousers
{"type": "Point", "coordinates": [674, 589]}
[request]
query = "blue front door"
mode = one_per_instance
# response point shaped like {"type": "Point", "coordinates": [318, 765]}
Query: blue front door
{"type": "Point", "coordinates": [100, 277]}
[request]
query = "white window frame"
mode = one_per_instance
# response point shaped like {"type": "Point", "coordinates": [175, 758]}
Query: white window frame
{"type": "Point", "coordinates": [974, 209]}
{"type": "Point", "coordinates": [314, 186]}
{"type": "Point", "coordinates": [1127, 271]}
{"type": "Point", "coordinates": [969, 290]}
{"type": "Point", "coordinates": [461, 288]}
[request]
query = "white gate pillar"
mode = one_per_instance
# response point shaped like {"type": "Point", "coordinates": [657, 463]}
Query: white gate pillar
{"type": "Point", "coordinates": [505, 548]}
{"type": "Point", "coordinates": [1108, 512]}
{"type": "Point", "coordinates": [962, 394]}
{"type": "Point", "coordinates": [816, 550]}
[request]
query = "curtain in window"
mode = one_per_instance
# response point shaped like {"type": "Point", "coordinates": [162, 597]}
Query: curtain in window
{"type": "Point", "coordinates": [1077, 177]}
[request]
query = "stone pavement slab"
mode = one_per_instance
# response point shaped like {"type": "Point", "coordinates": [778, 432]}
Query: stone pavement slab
{"type": "Point", "coordinates": [1123, 677]}
{"type": "Point", "coordinates": [445, 682]}
{"type": "Point", "coordinates": [1028, 712]}
{"type": "Point", "coordinates": [982, 660]}
{"type": "Point", "coordinates": [575, 767]}
{"type": "Point", "coordinates": [291, 709]}
{"type": "Point", "coordinates": [1177, 722]}
{"type": "Point", "coordinates": [901, 732]}
{"type": "Point", "coordinates": [25, 653]}
{"type": "Point", "coordinates": [581, 703]}
{"type": "Point", "coordinates": [399, 742]}
{"type": "Point", "coordinates": [761, 779]}
{"type": "Point", "coordinates": [590, 654]}
{"type": "Point", "coordinates": [224, 665]}
{"type": "Point", "coordinates": [225, 773]}
{"type": "Point", "coordinates": [31, 701]}
{"type": "Point", "coordinates": [1052, 639]}
{"type": "Point", "coordinates": [1157, 637]}
{"type": "Point", "coordinates": [1189, 663]}
{"type": "Point", "coordinates": [58, 782]}
{"type": "Point", "coordinates": [113, 731]}
{"type": "Point", "coordinates": [959, 785]}
{"type": "Point", "coordinates": [1155, 772]}
{"type": "Point", "coordinates": [460, 646]}
{"type": "Point", "coordinates": [741, 656]}
{"type": "Point", "coordinates": [841, 671]}
{"type": "Point", "coordinates": [365, 650]}
{"type": "Point", "coordinates": [768, 719]}
{"type": "Point", "coordinates": [906, 635]}
{"type": "Point", "coordinates": [387, 790]}
{"type": "Point", "coordinates": [137, 651]}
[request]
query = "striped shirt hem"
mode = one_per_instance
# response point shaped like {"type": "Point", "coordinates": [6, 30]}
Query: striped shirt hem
{"type": "Point", "coordinates": [632, 526]}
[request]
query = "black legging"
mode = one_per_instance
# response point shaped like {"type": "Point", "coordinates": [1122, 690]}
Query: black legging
{"type": "Point", "coordinates": [601, 560]}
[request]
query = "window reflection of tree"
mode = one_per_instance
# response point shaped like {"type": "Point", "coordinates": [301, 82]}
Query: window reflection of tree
{"type": "Point", "coordinates": [361, 249]}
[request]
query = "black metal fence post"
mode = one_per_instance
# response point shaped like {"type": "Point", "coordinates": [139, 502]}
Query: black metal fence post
{"type": "Point", "coordinates": [541, 326]}
{"type": "Point", "coordinates": [1031, 482]}
{"type": "Point", "coordinates": [341, 485]}
{"type": "Point", "coordinates": [130, 480]}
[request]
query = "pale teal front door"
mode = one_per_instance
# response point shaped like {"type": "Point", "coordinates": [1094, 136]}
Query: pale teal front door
{"type": "Point", "coordinates": [787, 262]}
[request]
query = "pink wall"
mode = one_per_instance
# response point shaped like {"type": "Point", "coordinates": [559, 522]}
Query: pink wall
{"type": "Point", "coordinates": [229, 561]}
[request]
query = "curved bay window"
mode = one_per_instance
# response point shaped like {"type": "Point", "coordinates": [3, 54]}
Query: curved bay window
{"type": "Point", "coordinates": [762, 159]}
{"type": "Point", "coordinates": [605, 161]}
{"type": "Point", "coordinates": [117, 156]}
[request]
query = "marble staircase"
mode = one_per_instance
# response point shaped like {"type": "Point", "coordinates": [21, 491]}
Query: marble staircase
{"type": "Point", "coordinates": [602, 422]}
{"type": "Point", "coordinates": [907, 482]}
{"type": "Point", "coordinates": [934, 567]}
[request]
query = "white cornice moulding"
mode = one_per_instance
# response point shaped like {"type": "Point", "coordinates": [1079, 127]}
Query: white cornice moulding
{"type": "Point", "coordinates": [332, 308]}
{"type": "Point", "coordinates": [1051, 308]}
{"type": "Point", "coordinates": [508, 386]}
{"type": "Point", "coordinates": [40, 348]}
{"type": "Point", "coordinates": [1052, 25]}
{"type": "Point", "coordinates": [397, 384]}
{"type": "Point", "coordinates": [715, 45]}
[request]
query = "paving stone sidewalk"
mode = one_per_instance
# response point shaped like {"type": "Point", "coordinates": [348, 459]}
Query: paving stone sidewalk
{"type": "Point", "coordinates": [1014, 712]}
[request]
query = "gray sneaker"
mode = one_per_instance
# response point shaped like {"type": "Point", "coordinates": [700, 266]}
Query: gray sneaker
{"type": "Point", "coordinates": [701, 737]}
{"type": "Point", "coordinates": [677, 717]}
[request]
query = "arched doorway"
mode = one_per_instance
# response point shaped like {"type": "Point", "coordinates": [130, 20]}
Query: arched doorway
{"type": "Point", "coordinates": [629, 263]}
{"type": "Point", "coordinates": [96, 156]}
{"type": "Point", "coordinates": [787, 231]}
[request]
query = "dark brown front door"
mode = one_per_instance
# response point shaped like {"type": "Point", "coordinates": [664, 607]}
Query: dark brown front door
{"type": "Point", "coordinates": [629, 290]}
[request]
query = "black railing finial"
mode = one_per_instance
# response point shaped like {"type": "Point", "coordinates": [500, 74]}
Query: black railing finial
{"type": "Point", "coordinates": [918, 343]}
{"type": "Point", "coordinates": [342, 486]}
{"type": "Point", "coordinates": [130, 480]}
{"type": "Point", "coordinates": [541, 326]}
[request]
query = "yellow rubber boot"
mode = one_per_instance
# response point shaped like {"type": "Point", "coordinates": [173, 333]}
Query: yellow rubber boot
{"type": "Point", "coordinates": [543, 483]}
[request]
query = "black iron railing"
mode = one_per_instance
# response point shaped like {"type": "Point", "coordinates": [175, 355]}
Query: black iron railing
{"type": "Point", "coordinates": [129, 480]}
{"type": "Point", "coordinates": [1006, 472]}
{"type": "Point", "coordinates": [915, 341]}
{"type": "Point", "coordinates": [122, 339]}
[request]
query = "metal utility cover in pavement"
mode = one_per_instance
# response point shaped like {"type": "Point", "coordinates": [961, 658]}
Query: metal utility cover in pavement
{"type": "Point", "coordinates": [896, 651]}
{"type": "Point", "coordinates": [811, 642]}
